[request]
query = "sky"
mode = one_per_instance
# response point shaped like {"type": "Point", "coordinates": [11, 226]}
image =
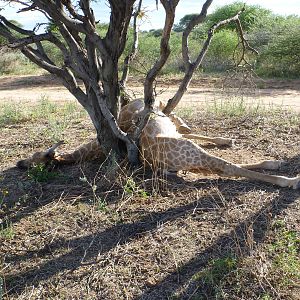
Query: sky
{"type": "Point", "coordinates": [155, 17]}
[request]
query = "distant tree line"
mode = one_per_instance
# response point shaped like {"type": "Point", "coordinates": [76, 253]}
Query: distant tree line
{"type": "Point", "coordinates": [277, 39]}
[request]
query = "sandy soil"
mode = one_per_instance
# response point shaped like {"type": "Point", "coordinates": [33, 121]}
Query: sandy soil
{"type": "Point", "coordinates": [282, 93]}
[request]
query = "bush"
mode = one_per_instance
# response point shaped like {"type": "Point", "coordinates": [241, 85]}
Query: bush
{"type": "Point", "coordinates": [278, 41]}
{"type": "Point", "coordinates": [248, 17]}
{"type": "Point", "coordinates": [281, 58]}
{"type": "Point", "coordinates": [14, 62]}
{"type": "Point", "coordinates": [220, 54]}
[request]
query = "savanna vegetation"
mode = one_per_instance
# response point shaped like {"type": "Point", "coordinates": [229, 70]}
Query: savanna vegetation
{"type": "Point", "coordinates": [99, 230]}
{"type": "Point", "coordinates": [276, 37]}
{"type": "Point", "coordinates": [82, 232]}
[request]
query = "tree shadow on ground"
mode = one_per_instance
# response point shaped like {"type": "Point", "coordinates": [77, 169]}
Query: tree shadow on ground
{"type": "Point", "coordinates": [28, 82]}
{"type": "Point", "coordinates": [88, 246]}
{"type": "Point", "coordinates": [235, 242]}
{"type": "Point", "coordinates": [25, 195]}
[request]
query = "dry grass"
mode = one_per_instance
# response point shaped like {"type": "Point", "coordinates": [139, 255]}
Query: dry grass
{"type": "Point", "coordinates": [82, 235]}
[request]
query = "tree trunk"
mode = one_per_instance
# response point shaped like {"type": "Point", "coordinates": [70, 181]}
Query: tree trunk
{"type": "Point", "coordinates": [106, 137]}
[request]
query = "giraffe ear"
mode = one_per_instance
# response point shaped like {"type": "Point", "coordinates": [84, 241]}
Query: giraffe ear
{"type": "Point", "coordinates": [51, 151]}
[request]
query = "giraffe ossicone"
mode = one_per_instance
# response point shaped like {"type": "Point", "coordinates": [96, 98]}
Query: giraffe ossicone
{"type": "Point", "coordinates": [166, 143]}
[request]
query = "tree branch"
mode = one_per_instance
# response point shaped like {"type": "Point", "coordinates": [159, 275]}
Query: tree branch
{"type": "Point", "coordinates": [56, 13]}
{"type": "Point", "coordinates": [190, 26]}
{"type": "Point", "coordinates": [131, 55]}
{"type": "Point", "coordinates": [169, 7]}
{"type": "Point", "coordinates": [192, 66]}
{"type": "Point", "coordinates": [15, 27]}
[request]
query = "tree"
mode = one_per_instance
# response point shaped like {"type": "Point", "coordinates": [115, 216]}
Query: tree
{"type": "Point", "coordinates": [95, 59]}
{"type": "Point", "coordinates": [248, 18]}
{"type": "Point", "coordinates": [183, 22]}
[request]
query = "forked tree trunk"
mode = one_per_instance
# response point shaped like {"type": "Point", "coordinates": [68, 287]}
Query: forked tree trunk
{"type": "Point", "coordinates": [94, 59]}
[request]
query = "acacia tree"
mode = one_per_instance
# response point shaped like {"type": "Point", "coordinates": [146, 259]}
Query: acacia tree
{"type": "Point", "coordinates": [95, 60]}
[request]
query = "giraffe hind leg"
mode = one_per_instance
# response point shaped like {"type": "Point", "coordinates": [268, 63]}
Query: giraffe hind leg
{"type": "Point", "coordinates": [265, 165]}
{"type": "Point", "coordinates": [183, 154]}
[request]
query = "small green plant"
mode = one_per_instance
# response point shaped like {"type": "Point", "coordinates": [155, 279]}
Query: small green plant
{"type": "Point", "coordinates": [7, 231]}
{"type": "Point", "coordinates": [266, 297]}
{"type": "Point", "coordinates": [218, 269]}
{"type": "Point", "coordinates": [101, 205]}
{"type": "Point", "coordinates": [131, 187]}
{"type": "Point", "coordinates": [40, 173]}
{"type": "Point", "coordinates": [11, 113]}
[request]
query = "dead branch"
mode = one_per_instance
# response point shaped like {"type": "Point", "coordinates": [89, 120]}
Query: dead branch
{"type": "Point", "coordinates": [169, 7]}
{"type": "Point", "coordinates": [131, 55]}
{"type": "Point", "coordinates": [190, 67]}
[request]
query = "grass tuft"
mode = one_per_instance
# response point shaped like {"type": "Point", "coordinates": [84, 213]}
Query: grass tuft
{"type": "Point", "coordinates": [40, 173]}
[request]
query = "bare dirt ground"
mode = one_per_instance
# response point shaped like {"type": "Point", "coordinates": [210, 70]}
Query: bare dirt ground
{"type": "Point", "coordinates": [281, 93]}
{"type": "Point", "coordinates": [82, 234]}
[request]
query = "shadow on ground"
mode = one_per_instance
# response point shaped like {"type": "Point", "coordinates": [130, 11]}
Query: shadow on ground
{"type": "Point", "coordinates": [104, 240]}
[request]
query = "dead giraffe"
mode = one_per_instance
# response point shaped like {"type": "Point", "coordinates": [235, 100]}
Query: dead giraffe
{"type": "Point", "coordinates": [92, 149]}
{"type": "Point", "coordinates": [165, 143]}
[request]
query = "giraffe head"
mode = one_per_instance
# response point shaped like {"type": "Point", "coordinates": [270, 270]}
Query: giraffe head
{"type": "Point", "coordinates": [39, 157]}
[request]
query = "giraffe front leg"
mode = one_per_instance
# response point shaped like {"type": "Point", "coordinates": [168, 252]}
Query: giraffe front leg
{"type": "Point", "coordinates": [216, 140]}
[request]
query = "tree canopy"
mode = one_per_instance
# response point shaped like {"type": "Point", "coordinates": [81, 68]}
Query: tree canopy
{"type": "Point", "coordinates": [94, 57]}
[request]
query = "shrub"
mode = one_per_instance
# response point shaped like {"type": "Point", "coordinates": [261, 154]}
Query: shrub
{"type": "Point", "coordinates": [12, 62]}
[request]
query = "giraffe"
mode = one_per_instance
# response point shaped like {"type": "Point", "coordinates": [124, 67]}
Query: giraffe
{"type": "Point", "coordinates": [92, 150]}
{"type": "Point", "coordinates": [166, 143]}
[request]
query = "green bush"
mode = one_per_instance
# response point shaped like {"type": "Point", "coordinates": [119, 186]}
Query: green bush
{"type": "Point", "coordinates": [277, 39]}
{"type": "Point", "coordinates": [248, 17]}
{"type": "Point", "coordinates": [220, 54]}
{"type": "Point", "coordinates": [14, 62]}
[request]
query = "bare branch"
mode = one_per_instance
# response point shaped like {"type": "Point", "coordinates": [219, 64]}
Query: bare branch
{"type": "Point", "coordinates": [192, 66]}
{"type": "Point", "coordinates": [56, 13]}
{"type": "Point", "coordinates": [169, 7]}
{"type": "Point", "coordinates": [88, 12]}
{"type": "Point", "coordinates": [29, 7]}
{"type": "Point", "coordinates": [21, 42]}
{"type": "Point", "coordinates": [131, 55]}
{"type": "Point", "coordinates": [190, 26]}
{"type": "Point", "coordinates": [71, 10]}
{"type": "Point", "coordinates": [245, 44]}
{"type": "Point", "coordinates": [15, 27]}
